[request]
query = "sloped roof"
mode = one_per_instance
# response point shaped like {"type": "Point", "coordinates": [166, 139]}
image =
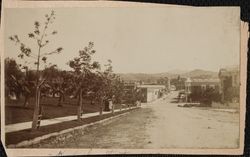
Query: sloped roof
{"type": "Point", "coordinates": [206, 80]}
{"type": "Point", "coordinates": [151, 86]}
{"type": "Point", "coordinates": [229, 70]}
{"type": "Point", "coordinates": [199, 82]}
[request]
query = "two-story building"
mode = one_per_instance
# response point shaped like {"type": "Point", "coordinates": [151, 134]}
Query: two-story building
{"type": "Point", "coordinates": [194, 88]}
{"type": "Point", "coordinates": [230, 84]}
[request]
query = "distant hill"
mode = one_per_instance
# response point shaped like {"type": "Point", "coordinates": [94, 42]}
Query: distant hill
{"type": "Point", "coordinates": [197, 73]}
{"type": "Point", "coordinates": [138, 76]}
{"type": "Point", "coordinates": [178, 71]}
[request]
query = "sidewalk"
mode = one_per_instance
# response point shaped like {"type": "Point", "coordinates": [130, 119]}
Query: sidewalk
{"type": "Point", "coordinates": [27, 125]}
{"type": "Point", "coordinates": [226, 110]}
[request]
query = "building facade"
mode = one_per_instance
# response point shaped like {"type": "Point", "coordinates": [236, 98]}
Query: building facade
{"type": "Point", "coordinates": [196, 88]}
{"type": "Point", "coordinates": [178, 83]}
{"type": "Point", "coordinates": [150, 93]}
{"type": "Point", "coordinates": [230, 84]}
{"type": "Point", "coordinates": [164, 81]}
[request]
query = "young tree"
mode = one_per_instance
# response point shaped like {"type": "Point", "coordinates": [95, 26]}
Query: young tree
{"type": "Point", "coordinates": [99, 89]}
{"type": "Point", "coordinates": [63, 86]}
{"type": "Point", "coordinates": [57, 82]}
{"type": "Point", "coordinates": [106, 90]}
{"type": "Point", "coordinates": [41, 37]}
{"type": "Point", "coordinates": [83, 67]}
{"type": "Point", "coordinates": [118, 88]}
{"type": "Point", "coordinates": [12, 74]}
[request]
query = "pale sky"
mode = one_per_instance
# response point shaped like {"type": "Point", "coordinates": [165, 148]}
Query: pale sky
{"type": "Point", "coordinates": [144, 40]}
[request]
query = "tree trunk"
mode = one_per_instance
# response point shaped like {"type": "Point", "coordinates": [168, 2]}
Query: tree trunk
{"type": "Point", "coordinates": [26, 101]}
{"type": "Point", "coordinates": [101, 106]}
{"type": "Point", "coordinates": [113, 107]}
{"type": "Point", "coordinates": [36, 110]}
{"type": "Point", "coordinates": [61, 99]}
{"type": "Point", "coordinates": [79, 110]}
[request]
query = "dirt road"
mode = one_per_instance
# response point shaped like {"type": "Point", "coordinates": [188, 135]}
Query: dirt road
{"type": "Point", "coordinates": [161, 124]}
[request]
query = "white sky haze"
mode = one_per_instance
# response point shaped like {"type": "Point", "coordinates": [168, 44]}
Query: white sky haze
{"type": "Point", "coordinates": [145, 40]}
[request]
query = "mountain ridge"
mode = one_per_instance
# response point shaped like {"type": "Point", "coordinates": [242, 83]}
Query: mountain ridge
{"type": "Point", "coordinates": [196, 73]}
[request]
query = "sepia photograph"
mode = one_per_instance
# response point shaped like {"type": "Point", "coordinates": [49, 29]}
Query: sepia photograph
{"type": "Point", "coordinates": [122, 78]}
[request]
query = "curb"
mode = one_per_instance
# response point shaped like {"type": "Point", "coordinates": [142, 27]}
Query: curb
{"type": "Point", "coordinates": [44, 122]}
{"type": "Point", "coordinates": [228, 111]}
{"type": "Point", "coordinates": [38, 139]}
{"type": "Point", "coordinates": [216, 110]}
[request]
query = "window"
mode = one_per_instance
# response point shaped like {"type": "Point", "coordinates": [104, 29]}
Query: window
{"type": "Point", "coordinates": [203, 87]}
{"type": "Point", "coordinates": [212, 86]}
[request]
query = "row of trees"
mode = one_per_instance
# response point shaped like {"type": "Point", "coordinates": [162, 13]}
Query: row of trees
{"type": "Point", "coordinates": [86, 78]}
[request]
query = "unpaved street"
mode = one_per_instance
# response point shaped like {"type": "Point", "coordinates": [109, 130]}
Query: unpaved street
{"type": "Point", "coordinates": [161, 124]}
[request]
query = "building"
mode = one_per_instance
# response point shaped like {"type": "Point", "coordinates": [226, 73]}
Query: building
{"type": "Point", "coordinates": [164, 81]}
{"type": "Point", "coordinates": [129, 92]}
{"type": "Point", "coordinates": [150, 93]}
{"type": "Point", "coordinates": [194, 88]}
{"type": "Point", "coordinates": [178, 83]}
{"type": "Point", "coordinates": [230, 84]}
